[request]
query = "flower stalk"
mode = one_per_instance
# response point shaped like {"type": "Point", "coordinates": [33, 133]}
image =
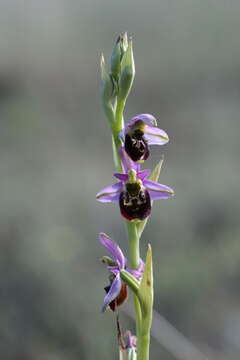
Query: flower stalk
{"type": "Point", "coordinates": [134, 192]}
{"type": "Point", "coordinates": [133, 240]}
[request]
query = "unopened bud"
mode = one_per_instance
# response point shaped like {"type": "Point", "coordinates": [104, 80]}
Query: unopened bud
{"type": "Point", "coordinates": [107, 91]}
{"type": "Point", "coordinates": [127, 73]}
{"type": "Point", "coordinates": [124, 42]}
{"type": "Point", "coordinates": [116, 59]}
{"type": "Point", "coordinates": [106, 82]}
{"type": "Point", "coordinates": [119, 50]}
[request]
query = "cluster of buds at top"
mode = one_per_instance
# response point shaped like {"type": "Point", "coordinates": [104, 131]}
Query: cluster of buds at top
{"type": "Point", "coordinates": [118, 81]}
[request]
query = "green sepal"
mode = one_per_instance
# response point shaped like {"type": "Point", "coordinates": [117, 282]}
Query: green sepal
{"type": "Point", "coordinates": [106, 260]}
{"type": "Point", "coordinates": [154, 177]}
{"type": "Point", "coordinates": [145, 292]}
{"type": "Point", "coordinates": [127, 73]}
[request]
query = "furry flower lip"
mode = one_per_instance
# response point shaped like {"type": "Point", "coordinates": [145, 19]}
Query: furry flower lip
{"type": "Point", "coordinates": [139, 134]}
{"type": "Point", "coordinates": [134, 192]}
{"type": "Point", "coordinates": [117, 290]}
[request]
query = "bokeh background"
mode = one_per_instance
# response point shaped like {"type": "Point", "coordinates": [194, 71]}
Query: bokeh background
{"type": "Point", "coordinates": [55, 154]}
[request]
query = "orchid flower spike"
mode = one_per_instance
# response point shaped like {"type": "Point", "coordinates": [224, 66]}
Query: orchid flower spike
{"type": "Point", "coordinates": [139, 133]}
{"type": "Point", "coordinates": [117, 290]}
{"type": "Point", "coordinates": [134, 192]}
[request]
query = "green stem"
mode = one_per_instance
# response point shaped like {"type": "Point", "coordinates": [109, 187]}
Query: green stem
{"type": "Point", "coordinates": [144, 336]}
{"type": "Point", "coordinates": [117, 126]}
{"type": "Point", "coordinates": [143, 346]}
{"type": "Point", "coordinates": [133, 244]}
{"type": "Point", "coordinates": [143, 320]}
{"type": "Point", "coordinates": [138, 314]}
{"type": "Point", "coordinates": [119, 123]}
{"type": "Point", "coordinates": [116, 158]}
{"type": "Point", "coordinates": [134, 262]}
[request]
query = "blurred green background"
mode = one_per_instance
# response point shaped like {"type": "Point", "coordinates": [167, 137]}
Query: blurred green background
{"type": "Point", "coordinates": [55, 154]}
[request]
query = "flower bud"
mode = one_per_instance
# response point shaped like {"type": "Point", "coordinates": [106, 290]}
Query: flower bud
{"type": "Point", "coordinates": [127, 73]}
{"type": "Point", "coordinates": [124, 43]}
{"type": "Point", "coordinates": [116, 59]}
{"type": "Point", "coordinates": [107, 91]}
{"type": "Point", "coordinates": [106, 82]}
{"type": "Point", "coordinates": [117, 55]}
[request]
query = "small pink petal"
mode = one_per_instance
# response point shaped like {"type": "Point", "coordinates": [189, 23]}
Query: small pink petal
{"type": "Point", "coordinates": [142, 174]}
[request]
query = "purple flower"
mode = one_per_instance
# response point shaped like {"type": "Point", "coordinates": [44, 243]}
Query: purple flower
{"type": "Point", "coordinates": [139, 133]}
{"type": "Point", "coordinates": [131, 340]}
{"type": "Point", "coordinates": [117, 290]}
{"type": "Point", "coordinates": [134, 191]}
{"type": "Point", "coordinates": [127, 342]}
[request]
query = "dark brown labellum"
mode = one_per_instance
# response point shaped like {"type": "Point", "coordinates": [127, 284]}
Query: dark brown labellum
{"type": "Point", "coordinates": [136, 145]}
{"type": "Point", "coordinates": [135, 204]}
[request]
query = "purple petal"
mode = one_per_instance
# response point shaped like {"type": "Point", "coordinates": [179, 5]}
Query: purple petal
{"type": "Point", "coordinates": [158, 195]}
{"type": "Point", "coordinates": [122, 177]}
{"type": "Point", "coordinates": [113, 292]}
{"type": "Point", "coordinates": [142, 174]}
{"type": "Point", "coordinates": [113, 249]}
{"type": "Point", "coordinates": [127, 163]}
{"type": "Point", "coordinates": [135, 273]}
{"type": "Point", "coordinates": [153, 185]}
{"type": "Point", "coordinates": [113, 269]}
{"type": "Point", "coordinates": [110, 193]}
{"type": "Point", "coordinates": [141, 266]}
{"type": "Point", "coordinates": [158, 191]}
{"type": "Point", "coordinates": [148, 119]}
{"type": "Point", "coordinates": [155, 136]}
{"type": "Point", "coordinates": [131, 340]}
{"type": "Point", "coordinates": [138, 273]}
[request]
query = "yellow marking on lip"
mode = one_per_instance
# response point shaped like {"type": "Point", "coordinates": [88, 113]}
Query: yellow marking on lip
{"type": "Point", "coordinates": [138, 125]}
